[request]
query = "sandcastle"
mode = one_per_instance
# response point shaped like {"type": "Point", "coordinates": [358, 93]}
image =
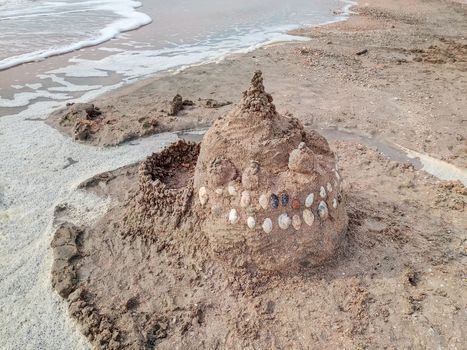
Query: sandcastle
{"type": "Point", "coordinates": [263, 191]}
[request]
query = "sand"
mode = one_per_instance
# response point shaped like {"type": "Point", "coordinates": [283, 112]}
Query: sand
{"type": "Point", "coordinates": [400, 283]}
{"type": "Point", "coordinates": [397, 284]}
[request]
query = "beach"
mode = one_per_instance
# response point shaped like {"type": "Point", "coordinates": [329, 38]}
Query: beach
{"type": "Point", "coordinates": [385, 87]}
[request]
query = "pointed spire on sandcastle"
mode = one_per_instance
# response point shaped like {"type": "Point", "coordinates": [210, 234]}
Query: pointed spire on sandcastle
{"type": "Point", "coordinates": [256, 100]}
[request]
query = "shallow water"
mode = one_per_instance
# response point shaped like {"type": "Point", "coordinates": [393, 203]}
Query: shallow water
{"type": "Point", "coordinates": [182, 33]}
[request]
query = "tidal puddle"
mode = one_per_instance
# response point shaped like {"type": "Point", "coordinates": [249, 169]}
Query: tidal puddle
{"type": "Point", "coordinates": [436, 167]}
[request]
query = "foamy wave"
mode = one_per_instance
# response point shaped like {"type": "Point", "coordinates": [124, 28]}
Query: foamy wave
{"type": "Point", "coordinates": [134, 64]}
{"type": "Point", "coordinates": [130, 19]}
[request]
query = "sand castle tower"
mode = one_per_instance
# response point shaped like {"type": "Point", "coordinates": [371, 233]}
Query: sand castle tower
{"type": "Point", "coordinates": [265, 192]}
{"type": "Point", "coordinates": [269, 190]}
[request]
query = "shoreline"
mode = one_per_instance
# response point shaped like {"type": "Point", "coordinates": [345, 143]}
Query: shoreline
{"type": "Point", "coordinates": [107, 33]}
{"type": "Point", "coordinates": [64, 71]}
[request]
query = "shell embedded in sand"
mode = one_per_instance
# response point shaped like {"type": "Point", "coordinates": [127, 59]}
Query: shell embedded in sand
{"type": "Point", "coordinates": [295, 203]}
{"type": "Point", "coordinates": [264, 201]}
{"type": "Point", "coordinates": [296, 222]}
{"type": "Point", "coordinates": [267, 225]}
{"type": "Point", "coordinates": [322, 192]}
{"type": "Point", "coordinates": [219, 191]}
{"type": "Point", "coordinates": [245, 199]}
{"type": "Point", "coordinates": [216, 210]}
{"type": "Point", "coordinates": [284, 221]}
{"type": "Point", "coordinates": [233, 216]}
{"type": "Point", "coordinates": [334, 203]}
{"type": "Point", "coordinates": [329, 187]}
{"type": "Point", "coordinates": [251, 222]}
{"type": "Point", "coordinates": [309, 200]}
{"type": "Point", "coordinates": [274, 201]}
{"type": "Point", "coordinates": [308, 217]}
{"type": "Point", "coordinates": [203, 195]}
{"type": "Point", "coordinates": [323, 211]}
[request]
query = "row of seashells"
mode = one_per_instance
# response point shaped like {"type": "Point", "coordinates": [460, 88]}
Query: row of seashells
{"type": "Point", "coordinates": [284, 220]}
{"type": "Point", "coordinates": [265, 200]}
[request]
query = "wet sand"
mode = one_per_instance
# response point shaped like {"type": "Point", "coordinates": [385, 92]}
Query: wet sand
{"type": "Point", "coordinates": [395, 285]}
{"type": "Point", "coordinates": [380, 87]}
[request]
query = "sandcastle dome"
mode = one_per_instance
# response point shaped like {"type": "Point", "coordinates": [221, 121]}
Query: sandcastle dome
{"type": "Point", "coordinates": [268, 192]}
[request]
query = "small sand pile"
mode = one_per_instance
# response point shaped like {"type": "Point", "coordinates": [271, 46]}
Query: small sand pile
{"type": "Point", "coordinates": [85, 119]}
{"type": "Point", "coordinates": [118, 121]}
{"type": "Point", "coordinates": [267, 192]}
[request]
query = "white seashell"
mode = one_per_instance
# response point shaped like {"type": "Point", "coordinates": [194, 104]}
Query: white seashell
{"type": "Point", "coordinates": [329, 187]}
{"type": "Point", "coordinates": [219, 191]}
{"type": "Point", "coordinates": [322, 192]}
{"type": "Point", "coordinates": [334, 203]}
{"type": "Point", "coordinates": [296, 222]}
{"type": "Point", "coordinates": [233, 216]}
{"type": "Point", "coordinates": [251, 222]}
{"type": "Point", "coordinates": [323, 211]}
{"type": "Point", "coordinates": [232, 190]}
{"type": "Point", "coordinates": [203, 195]}
{"type": "Point", "coordinates": [245, 199]}
{"type": "Point", "coordinates": [309, 200]}
{"type": "Point", "coordinates": [284, 221]}
{"type": "Point", "coordinates": [267, 225]}
{"type": "Point", "coordinates": [264, 201]}
{"type": "Point", "coordinates": [338, 177]}
{"type": "Point", "coordinates": [308, 217]}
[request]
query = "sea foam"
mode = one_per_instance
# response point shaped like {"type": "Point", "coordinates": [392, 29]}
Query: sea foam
{"type": "Point", "coordinates": [124, 11]}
